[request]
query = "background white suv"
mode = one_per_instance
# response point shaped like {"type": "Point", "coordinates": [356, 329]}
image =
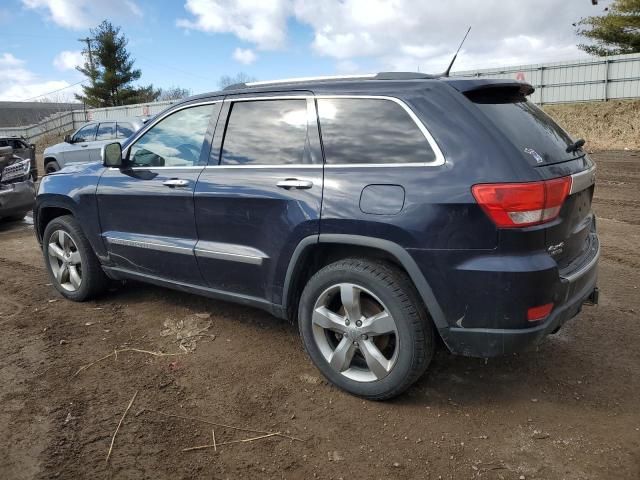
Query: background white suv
{"type": "Point", "coordinates": [85, 143]}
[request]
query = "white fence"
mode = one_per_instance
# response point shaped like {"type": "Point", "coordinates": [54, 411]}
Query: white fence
{"type": "Point", "coordinates": [590, 79]}
{"type": "Point", "coordinates": [585, 80]}
{"type": "Point", "coordinates": [64, 122]}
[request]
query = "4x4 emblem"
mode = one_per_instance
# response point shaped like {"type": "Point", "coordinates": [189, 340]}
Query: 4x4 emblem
{"type": "Point", "coordinates": [534, 154]}
{"type": "Point", "coordinates": [556, 249]}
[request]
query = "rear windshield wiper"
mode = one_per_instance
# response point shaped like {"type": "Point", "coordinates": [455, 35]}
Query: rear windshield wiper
{"type": "Point", "coordinates": [578, 144]}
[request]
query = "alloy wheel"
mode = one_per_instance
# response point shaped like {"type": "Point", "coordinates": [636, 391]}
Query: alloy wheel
{"type": "Point", "coordinates": [65, 261]}
{"type": "Point", "coordinates": [355, 332]}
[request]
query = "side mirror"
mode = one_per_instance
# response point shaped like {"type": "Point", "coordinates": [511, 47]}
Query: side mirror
{"type": "Point", "coordinates": [67, 138]}
{"type": "Point", "coordinates": [111, 155]}
{"type": "Point", "coordinates": [32, 146]}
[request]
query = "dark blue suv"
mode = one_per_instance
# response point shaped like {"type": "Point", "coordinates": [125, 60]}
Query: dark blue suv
{"type": "Point", "coordinates": [379, 212]}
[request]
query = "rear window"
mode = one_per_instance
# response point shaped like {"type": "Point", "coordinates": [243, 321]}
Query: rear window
{"type": "Point", "coordinates": [125, 130]}
{"type": "Point", "coordinates": [376, 131]}
{"type": "Point", "coordinates": [531, 130]}
{"type": "Point", "coordinates": [106, 131]}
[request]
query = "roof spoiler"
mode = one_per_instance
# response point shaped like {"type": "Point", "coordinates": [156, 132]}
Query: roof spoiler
{"type": "Point", "coordinates": [467, 85]}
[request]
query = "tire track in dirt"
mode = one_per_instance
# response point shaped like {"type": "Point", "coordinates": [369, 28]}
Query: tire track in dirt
{"type": "Point", "coordinates": [620, 256]}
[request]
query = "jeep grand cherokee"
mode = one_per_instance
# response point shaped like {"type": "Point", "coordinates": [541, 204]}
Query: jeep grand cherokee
{"type": "Point", "coordinates": [379, 212]}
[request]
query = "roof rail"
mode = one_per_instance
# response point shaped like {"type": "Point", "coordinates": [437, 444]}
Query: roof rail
{"type": "Point", "coordinates": [404, 76]}
{"type": "Point", "coordinates": [299, 79]}
{"type": "Point", "coordinates": [367, 76]}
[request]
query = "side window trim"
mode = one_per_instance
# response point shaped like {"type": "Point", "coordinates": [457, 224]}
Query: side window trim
{"type": "Point", "coordinates": [315, 150]}
{"type": "Point", "coordinates": [218, 138]}
{"type": "Point", "coordinates": [440, 160]}
{"type": "Point", "coordinates": [167, 113]}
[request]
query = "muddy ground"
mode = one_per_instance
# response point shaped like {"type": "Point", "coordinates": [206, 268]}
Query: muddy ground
{"type": "Point", "coordinates": [570, 410]}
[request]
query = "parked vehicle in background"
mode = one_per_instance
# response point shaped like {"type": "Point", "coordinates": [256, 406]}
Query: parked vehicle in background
{"type": "Point", "coordinates": [17, 193]}
{"type": "Point", "coordinates": [24, 150]}
{"type": "Point", "coordinates": [85, 143]}
{"type": "Point", "coordinates": [380, 212]}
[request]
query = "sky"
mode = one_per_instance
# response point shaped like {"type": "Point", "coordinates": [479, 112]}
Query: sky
{"type": "Point", "coordinates": [192, 43]}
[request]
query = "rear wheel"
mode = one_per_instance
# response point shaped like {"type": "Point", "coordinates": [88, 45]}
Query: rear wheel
{"type": "Point", "coordinates": [51, 166]}
{"type": "Point", "coordinates": [73, 267]}
{"type": "Point", "coordinates": [364, 327]}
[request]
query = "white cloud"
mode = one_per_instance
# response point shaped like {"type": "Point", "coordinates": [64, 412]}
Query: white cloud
{"type": "Point", "coordinates": [407, 34]}
{"type": "Point", "coordinates": [82, 14]}
{"type": "Point", "coordinates": [404, 34]}
{"type": "Point", "coordinates": [68, 60]}
{"type": "Point", "coordinates": [19, 83]}
{"type": "Point", "coordinates": [244, 55]}
{"type": "Point", "coordinates": [261, 22]}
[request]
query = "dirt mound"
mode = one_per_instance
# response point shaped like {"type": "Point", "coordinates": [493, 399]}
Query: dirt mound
{"type": "Point", "coordinates": [613, 125]}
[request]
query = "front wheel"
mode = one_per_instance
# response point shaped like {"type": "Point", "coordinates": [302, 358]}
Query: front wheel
{"type": "Point", "coordinates": [364, 327]}
{"type": "Point", "coordinates": [51, 167]}
{"type": "Point", "coordinates": [73, 266]}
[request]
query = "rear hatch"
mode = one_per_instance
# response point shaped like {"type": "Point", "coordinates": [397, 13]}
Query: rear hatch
{"type": "Point", "coordinates": [545, 147]}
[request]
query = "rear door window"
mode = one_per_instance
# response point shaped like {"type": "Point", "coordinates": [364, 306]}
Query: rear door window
{"type": "Point", "coordinates": [266, 132]}
{"type": "Point", "coordinates": [106, 131]}
{"type": "Point", "coordinates": [370, 131]}
{"type": "Point", "coordinates": [125, 130]}
{"type": "Point", "coordinates": [531, 130]}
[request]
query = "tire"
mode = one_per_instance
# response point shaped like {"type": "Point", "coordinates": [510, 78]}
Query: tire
{"type": "Point", "coordinates": [51, 167]}
{"type": "Point", "coordinates": [407, 346]}
{"type": "Point", "coordinates": [79, 257]}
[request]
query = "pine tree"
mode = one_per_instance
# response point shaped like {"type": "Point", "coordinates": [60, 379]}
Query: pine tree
{"type": "Point", "coordinates": [109, 68]}
{"type": "Point", "coordinates": [615, 33]}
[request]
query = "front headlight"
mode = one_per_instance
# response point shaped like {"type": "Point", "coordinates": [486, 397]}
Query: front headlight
{"type": "Point", "coordinates": [16, 170]}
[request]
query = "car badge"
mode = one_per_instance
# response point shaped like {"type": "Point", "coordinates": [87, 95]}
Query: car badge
{"type": "Point", "coordinates": [534, 154]}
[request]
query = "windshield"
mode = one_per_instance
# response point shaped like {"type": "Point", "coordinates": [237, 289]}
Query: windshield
{"type": "Point", "coordinates": [530, 129]}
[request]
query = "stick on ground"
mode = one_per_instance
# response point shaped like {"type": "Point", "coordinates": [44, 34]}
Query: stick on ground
{"type": "Point", "coordinates": [242, 429]}
{"type": "Point", "coordinates": [120, 350]}
{"type": "Point", "coordinates": [113, 439]}
{"type": "Point", "coordinates": [245, 440]}
{"type": "Point", "coordinates": [213, 434]}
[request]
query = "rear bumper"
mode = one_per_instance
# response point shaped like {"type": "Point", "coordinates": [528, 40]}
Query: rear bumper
{"type": "Point", "coordinates": [17, 198]}
{"type": "Point", "coordinates": [577, 289]}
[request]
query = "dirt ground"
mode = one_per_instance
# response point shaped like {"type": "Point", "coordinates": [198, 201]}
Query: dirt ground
{"type": "Point", "coordinates": [604, 125]}
{"type": "Point", "coordinates": [570, 410]}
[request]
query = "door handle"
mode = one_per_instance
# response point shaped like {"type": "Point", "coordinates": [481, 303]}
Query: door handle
{"type": "Point", "coordinates": [84, 146]}
{"type": "Point", "coordinates": [176, 182]}
{"type": "Point", "coordinates": [290, 183]}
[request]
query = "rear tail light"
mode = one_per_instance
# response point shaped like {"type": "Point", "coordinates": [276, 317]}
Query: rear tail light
{"type": "Point", "coordinates": [512, 205]}
{"type": "Point", "coordinates": [535, 314]}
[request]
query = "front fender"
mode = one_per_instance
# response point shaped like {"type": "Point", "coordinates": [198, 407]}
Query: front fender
{"type": "Point", "coordinates": [74, 191]}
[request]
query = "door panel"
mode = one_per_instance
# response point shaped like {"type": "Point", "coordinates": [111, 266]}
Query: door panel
{"type": "Point", "coordinates": [146, 209]}
{"type": "Point", "coordinates": [248, 226]}
{"type": "Point", "coordinates": [78, 151]}
{"type": "Point", "coordinates": [149, 227]}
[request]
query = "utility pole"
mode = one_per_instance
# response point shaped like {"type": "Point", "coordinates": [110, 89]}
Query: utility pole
{"type": "Point", "coordinates": [88, 40]}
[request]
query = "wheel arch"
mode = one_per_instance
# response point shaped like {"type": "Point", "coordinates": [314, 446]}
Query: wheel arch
{"type": "Point", "coordinates": [49, 210]}
{"type": "Point", "coordinates": [48, 159]}
{"type": "Point", "coordinates": [311, 249]}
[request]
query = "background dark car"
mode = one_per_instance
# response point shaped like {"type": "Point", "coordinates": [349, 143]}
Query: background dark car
{"type": "Point", "coordinates": [23, 150]}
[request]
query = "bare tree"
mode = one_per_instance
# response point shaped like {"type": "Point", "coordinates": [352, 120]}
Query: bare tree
{"type": "Point", "coordinates": [240, 77]}
{"type": "Point", "coordinates": [173, 93]}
